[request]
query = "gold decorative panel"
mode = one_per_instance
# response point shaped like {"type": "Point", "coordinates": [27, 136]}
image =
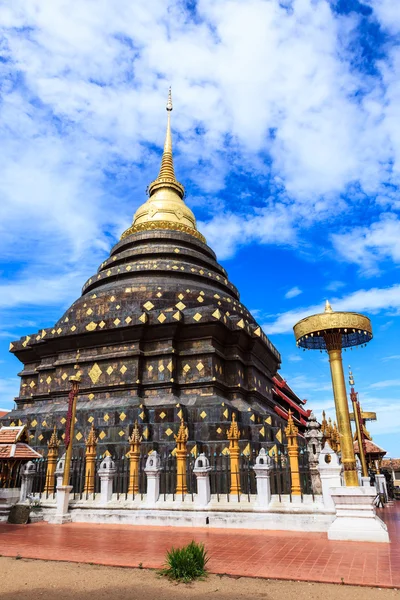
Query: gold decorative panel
{"type": "Point", "coordinates": [61, 420]}
{"type": "Point", "coordinates": [149, 305]}
{"type": "Point", "coordinates": [161, 318]}
{"type": "Point", "coordinates": [219, 430]}
{"type": "Point", "coordinates": [48, 380]}
{"type": "Point", "coordinates": [122, 416]}
{"type": "Point", "coordinates": [79, 436]}
{"type": "Point", "coordinates": [116, 321]}
{"type": "Point", "coordinates": [216, 314]}
{"type": "Point", "coordinates": [169, 431]}
{"type": "Point", "coordinates": [197, 317]}
{"type": "Point", "coordinates": [64, 376]}
{"type": "Point", "coordinates": [110, 370]}
{"type": "Point", "coordinates": [170, 366]}
{"type": "Point", "coordinates": [162, 415]}
{"type": "Point", "coordinates": [161, 368]}
{"type": "Point", "coordinates": [34, 423]}
{"type": "Point", "coordinates": [90, 396]}
{"type": "Point", "coordinates": [279, 436]}
{"type": "Point", "coordinates": [203, 414]}
{"type": "Point", "coordinates": [102, 435]}
{"type": "Point", "coordinates": [91, 326]}
{"type": "Point", "coordinates": [199, 366]}
{"type": "Point", "coordinates": [186, 368]}
{"type": "Point", "coordinates": [180, 305]}
{"type": "Point", "coordinates": [128, 320]}
{"type": "Point", "coordinates": [95, 373]}
{"type": "Point", "coordinates": [226, 413]}
{"type": "Point", "coordinates": [123, 369]}
{"type": "Point", "coordinates": [106, 417]}
{"type": "Point", "coordinates": [121, 433]}
{"type": "Point", "coordinates": [91, 419]}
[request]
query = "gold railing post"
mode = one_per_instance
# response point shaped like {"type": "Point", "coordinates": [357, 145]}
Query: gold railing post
{"type": "Point", "coordinates": [234, 451]}
{"type": "Point", "coordinates": [52, 457]}
{"type": "Point", "coordinates": [293, 450]}
{"type": "Point", "coordinates": [134, 456]}
{"type": "Point", "coordinates": [90, 456]}
{"type": "Point", "coordinates": [181, 451]}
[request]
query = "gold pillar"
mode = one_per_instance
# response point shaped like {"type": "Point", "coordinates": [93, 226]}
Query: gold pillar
{"type": "Point", "coordinates": [90, 463]}
{"type": "Point", "coordinates": [181, 451]}
{"type": "Point", "coordinates": [134, 456]}
{"type": "Point", "coordinates": [293, 450]}
{"type": "Point", "coordinates": [334, 347]}
{"type": "Point", "coordinates": [52, 457]}
{"type": "Point", "coordinates": [234, 451]}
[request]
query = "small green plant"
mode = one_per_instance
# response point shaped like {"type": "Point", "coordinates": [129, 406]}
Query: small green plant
{"type": "Point", "coordinates": [187, 563]}
{"type": "Point", "coordinates": [140, 565]}
{"type": "Point", "coordinates": [18, 557]}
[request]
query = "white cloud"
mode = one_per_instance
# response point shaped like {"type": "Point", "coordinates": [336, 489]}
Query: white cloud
{"type": "Point", "coordinates": [367, 246]}
{"type": "Point", "coordinates": [386, 383]}
{"type": "Point", "coordinates": [293, 292]}
{"type": "Point", "coordinates": [294, 358]}
{"type": "Point", "coordinates": [372, 301]}
{"type": "Point", "coordinates": [393, 357]}
{"type": "Point", "coordinates": [335, 285]}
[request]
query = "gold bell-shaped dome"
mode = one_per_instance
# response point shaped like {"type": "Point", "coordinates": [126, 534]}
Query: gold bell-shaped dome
{"type": "Point", "coordinates": [165, 208]}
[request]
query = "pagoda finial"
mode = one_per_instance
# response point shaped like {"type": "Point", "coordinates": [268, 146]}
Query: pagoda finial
{"type": "Point", "coordinates": [328, 307]}
{"type": "Point", "coordinates": [165, 208]}
{"type": "Point", "coordinates": [166, 175]}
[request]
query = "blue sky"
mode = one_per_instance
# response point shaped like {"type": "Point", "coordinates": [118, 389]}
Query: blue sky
{"type": "Point", "coordinates": [287, 139]}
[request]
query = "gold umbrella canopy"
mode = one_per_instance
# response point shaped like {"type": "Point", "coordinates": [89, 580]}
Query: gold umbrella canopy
{"type": "Point", "coordinates": [353, 329]}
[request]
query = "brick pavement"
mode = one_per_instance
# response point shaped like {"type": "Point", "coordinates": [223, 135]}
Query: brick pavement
{"type": "Point", "coordinates": [270, 554]}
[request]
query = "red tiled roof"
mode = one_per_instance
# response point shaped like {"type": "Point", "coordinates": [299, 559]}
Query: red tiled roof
{"type": "Point", "coordinates": [3, 413]}
{"type": "Point", "coordinates": [370, 448]}
{"type": "Point", "coordinates": [11, 435]}
{"type": "Point", "coordinates": [391, 463]}
{"type": "Point", "coordinates": [19, 451]}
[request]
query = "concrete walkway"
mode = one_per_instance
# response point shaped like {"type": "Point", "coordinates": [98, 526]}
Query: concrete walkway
{"type": "Point", "coordinates": [270, 554]}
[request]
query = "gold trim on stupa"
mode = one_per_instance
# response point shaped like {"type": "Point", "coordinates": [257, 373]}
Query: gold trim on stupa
{"type": "Point", "coordinates": [165, 208]}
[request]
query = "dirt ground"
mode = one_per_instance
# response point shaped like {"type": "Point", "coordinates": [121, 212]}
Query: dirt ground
{"type": "Point", "coordinates": [69, 581]}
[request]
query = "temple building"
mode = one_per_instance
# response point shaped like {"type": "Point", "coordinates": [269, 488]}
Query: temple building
{"type": "Point", "coordinates": [158, 335]}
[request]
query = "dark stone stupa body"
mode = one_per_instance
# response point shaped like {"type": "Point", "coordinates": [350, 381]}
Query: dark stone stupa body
{"type": "Point", "coordinates": [159, 334]}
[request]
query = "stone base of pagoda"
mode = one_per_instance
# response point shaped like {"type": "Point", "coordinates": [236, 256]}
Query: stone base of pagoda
{"type": "Point", "coordinates": [222, 512]}
{"type": "Point", "coordinates": [356, 518]}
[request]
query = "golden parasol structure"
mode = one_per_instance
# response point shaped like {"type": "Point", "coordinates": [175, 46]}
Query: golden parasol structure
{"type": "Point", "coordinates": [332, 331]}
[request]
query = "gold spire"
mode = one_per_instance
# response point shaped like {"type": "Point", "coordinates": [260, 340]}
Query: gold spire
{"type": "Point", "coordinates": [165, 208]}
{"type": "Point", "coordinates": [328, 307]}
{"type": "Point", "coordinates": [135, 437]}
{"type": "Point", "coordinates": [91, 439]}
{"type": "Point", "coordinates": [234, 431]}
{"type": "Point", "coordinates": [182, 436]}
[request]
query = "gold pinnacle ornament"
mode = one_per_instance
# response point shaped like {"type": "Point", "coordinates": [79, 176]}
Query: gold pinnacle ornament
{"type": "Point", "coordinates": [134, 456]}
{"type": "Point", "coordinates": [293, 450]}
{"type": "Point", "coordinates": [52, 457]}
{"type": "Point", "coordinates": [181, 452]}
{"type": "Point", "coordinates": [90, 456]}
{"type": "Point", "coordinates": [165, 209]}
{"type": "Point", "coordinates": [332, 331]}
